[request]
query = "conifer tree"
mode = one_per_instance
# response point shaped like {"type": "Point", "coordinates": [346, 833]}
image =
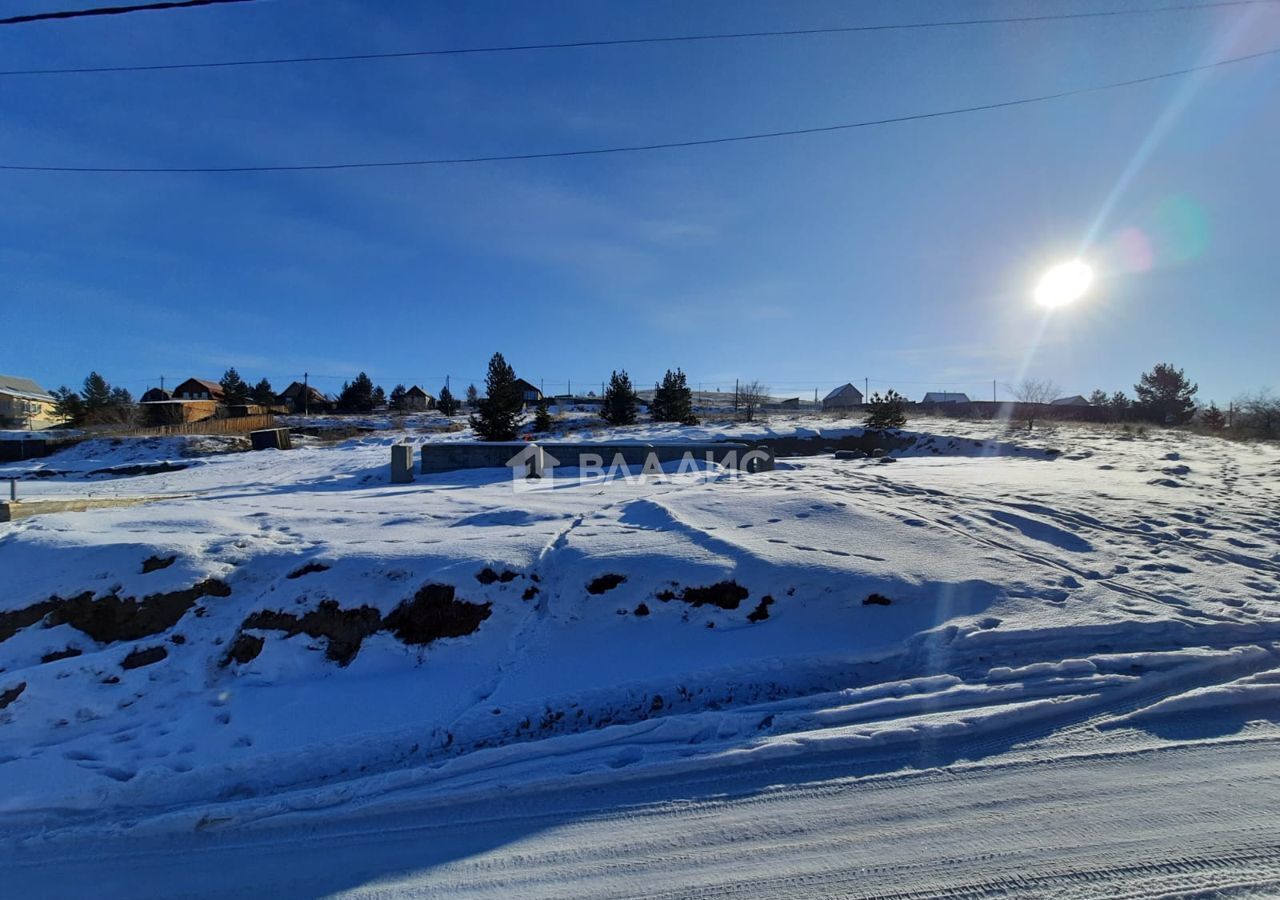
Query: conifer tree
{"type": "Point", "coordinates": [397, 398]}
{"type": "Point", "coordinates": [379, 396]}
{"type": "Point", "coordinates": [1098, 398]}
{"type": "Point", "coordinates": [473, 396]}
{"type": "Point", "coordinates": [263, 394]}
{"type": "Point", "coordinates": [1213, 418]}
{"type": "Point", "coordinates": [96, 393]}
{"type": "Point", "coordinates": [886, 411]}
{"type": "Point", "coordinates": [542, 421]}
{"type": "Point", "coordinates": [70, 407]}
{"type": "Point", "coordinates": [234, 389]}
{"type": "Point", "coordinates": [672, 400]}
{"type": "Point", "coordinates": [357, 396]}
{"type": "Point", "coordinates": [447, 404]}
{"type": "Point", "coordinates": [619, 403]}
{"type": "Point", "coordinates": [498, 414]}
{"type": "Point", "coordinates": [1166, 395]}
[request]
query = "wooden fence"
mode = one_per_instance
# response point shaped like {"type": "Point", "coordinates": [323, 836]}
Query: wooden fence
{"type": "Point", "coordinates": [237, 425]}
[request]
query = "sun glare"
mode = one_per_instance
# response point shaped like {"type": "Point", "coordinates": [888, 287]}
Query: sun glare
{"type": "Point", "coordinates": [1064, 283]}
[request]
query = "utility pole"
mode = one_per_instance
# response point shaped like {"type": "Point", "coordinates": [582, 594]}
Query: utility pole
{"type": "Point", "coordinates": [161, 382]}
{"type": "Point", "coordinates": [866, 389]}
{"type": "Point", "coordinates": [306, 394]}
{"type": "Point", "coordinates": [993, 390]}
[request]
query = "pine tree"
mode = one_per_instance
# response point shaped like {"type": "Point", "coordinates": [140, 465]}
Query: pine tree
{"type": "Point", "coordinates": [473, 396]}
{"type": "Point", "coordinates": [397, 398]}
{"type": "Point", "coordinates": [69, 405]}
{"type": "Point", "coordinates": [1166, 395]}
{"type": "Point", "coordinates": [672, 400]}
{"type": "Point", "coordinates": [263, 395]}
{"type": "Point", "coordinates": [357, 396]}
{"type": "Point", "coordinates": [498, 414]}
{"type": "Point", "coordinates": [887, 411]}
{"type": "Point", "coordinates": [619, 404]}
{"type": "Point", "coordinates": [234, 389]}
{"type": "Point", "coordinates": [379, 396]}
{"type": "Point", "coordinates": [96, 393]}
{"type": "Point", "coordinates": [447, 404]}
{"type": "Point", "coordinates": [1213, 418]}
{"type": "Point", "coordinates": [542, 421]}
{"type": "Point", "coordinates": [1098, 398]}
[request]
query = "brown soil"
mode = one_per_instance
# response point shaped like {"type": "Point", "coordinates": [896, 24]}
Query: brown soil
{"type": "Point", "coordinates": [488, 576]}
{"type": "Point", "coordinates": [435, 613]}
{"type": "Point", "coordinates": [605, 583]}
{"type": "Point", "coordinates": [761, 612]}
{"type": "Point", "coordinates": [723, 594]}
{"type": "Point", "coordinates": [61, 654]}
{"type": "Point", "coordinates": [115, 618]}
{"type": "Point", "coordinates": [13, 693]}
{"type": "Point", "coordinates": [308, 569]}
{"type": "Point", "coordinates": [245, 648]}
{"type": "Point", "coordinates": [155, 563]}
{"type": "Point", "coordinates": [12, 622]}
{"type": "Point", "coordinates": [344, 629]}
{"type": "Point", "coordinates": [144, 657]}
{"type": "Point", "coordinates": [877, 600]}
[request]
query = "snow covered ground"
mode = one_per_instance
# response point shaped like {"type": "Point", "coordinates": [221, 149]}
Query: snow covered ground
{"type": "Point", "coordinates": [982, 663]}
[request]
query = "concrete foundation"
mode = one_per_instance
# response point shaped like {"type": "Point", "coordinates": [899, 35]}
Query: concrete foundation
{"type": "Point", "coordinates": [271, 439]}
{"type": "Point", "coordinates": [401, 463]}
{"type": "Point", "coordinates": [473, 455]}
{"type": "Point", "coordinates": [17, 509]}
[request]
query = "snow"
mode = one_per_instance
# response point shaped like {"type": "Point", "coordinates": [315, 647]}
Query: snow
{"type": "Point", "coordinates": [1118, 596]}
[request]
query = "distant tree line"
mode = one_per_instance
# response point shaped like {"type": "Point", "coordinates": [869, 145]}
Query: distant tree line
{"type": "Point", "coordinates": [96, 403]}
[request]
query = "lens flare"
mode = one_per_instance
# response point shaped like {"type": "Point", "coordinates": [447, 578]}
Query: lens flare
{"type": "Point", "coordinates": [1064, 283]}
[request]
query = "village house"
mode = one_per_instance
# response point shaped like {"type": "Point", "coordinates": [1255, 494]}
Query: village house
{"type": "Point", "coordinates": [198, 389]}
{"type": "Point", "coordinates": [417, 399]}
{"type": "Point", "coordinates": [945, 397]}
{"type": "Point", "coordinates": [298, 397]}
{"type": "Point", "coordinates": [1074, 400]}
{"type": "Point", "coordinates": [25, 404]}
{"type": "Point", "coordinates": [844, 397]}
{"type": "Point", "coordinates": [528, 393]}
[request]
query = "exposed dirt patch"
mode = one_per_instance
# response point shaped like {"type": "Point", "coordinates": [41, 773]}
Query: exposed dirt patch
{"type": "Point", "coordinates": [61, 654]}
{"type": "Point", "coordinates": [606, 582]}
{"type": "Point", "coordinates": [529, 593]}
{"type": "Point", "coordinates": [156, 563]}
{"type": "Point", "coordinates": [642, 610]}
{"type": "Point", "coordinates": [115, 618]}
{"type": "Point", "coordinates": [343, 629]}
{"type": "Point", "coordinates": [308, 569]}
{"type": "Point", "coordinates": [145, 469]}
{"type": "Point", "coordinates": [761, 612]}
{"type": "Point", "coordinates": [11, 694]}
{"type": "Point", "coordinates": [144, 657]}
{"type": "Point", "coordinates": [435, 613]}
{"type": "Point", "coordinates": [722, 594]}
{"type": "Point", "coordinates": [432, 613]}
{"type": "Point", "coordinates": [877, 600]}
{"type": "Point", "coordinates": [245, 648]}
{"type": "Point", "coordinates": [488, 576]}
{"type": "Point", "coordinates": [14, 621]}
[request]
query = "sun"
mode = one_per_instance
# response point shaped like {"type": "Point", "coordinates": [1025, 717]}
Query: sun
{"type": "Point", "coordinates": [1064, 283]}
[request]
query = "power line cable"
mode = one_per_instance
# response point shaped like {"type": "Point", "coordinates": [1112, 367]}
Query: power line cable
{"type": "Point", "coordinates": [110, 10]}
{"type": "Point", "coordinates": [620, 42]}
{"type": "Point", "coordinates": [640, 148]}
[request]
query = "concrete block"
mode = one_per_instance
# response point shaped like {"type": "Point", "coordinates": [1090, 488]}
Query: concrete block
{"type": "Point", "coordinates": [271, 439]}
{"type": "Point", "coordinates": [401, 463]}
{"type": "Point", "coordinates": [448, 457]}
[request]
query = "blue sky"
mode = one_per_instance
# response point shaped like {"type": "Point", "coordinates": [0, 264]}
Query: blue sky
{"type": "Point", "coordinates": [906, 253]}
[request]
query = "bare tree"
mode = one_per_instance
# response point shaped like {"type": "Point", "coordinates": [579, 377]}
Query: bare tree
{"type": "Point", "coordinates": [1258, 412]}
{"type": "Point", "coordinates": [1032, 395]}
{"type": "Point", "coordinates": [750, 400]}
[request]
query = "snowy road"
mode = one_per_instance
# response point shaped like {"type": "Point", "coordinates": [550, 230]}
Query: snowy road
{"type": "Point", "coordinates": [1167, 821]}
